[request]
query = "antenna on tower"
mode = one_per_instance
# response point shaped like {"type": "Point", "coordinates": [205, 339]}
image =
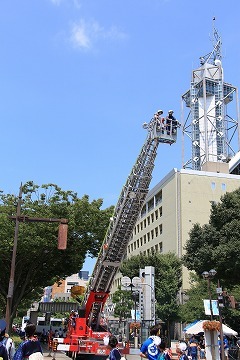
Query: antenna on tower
{"type": "Point", "coordinates": [217, 43]}
{"type": "Point", "coordinates": [208, 125]}
{"type": "Point", "coordinates": [216, 53]}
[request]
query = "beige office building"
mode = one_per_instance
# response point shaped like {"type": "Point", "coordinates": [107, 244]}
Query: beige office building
{"type": "Point", "coordinates": [181, 199]}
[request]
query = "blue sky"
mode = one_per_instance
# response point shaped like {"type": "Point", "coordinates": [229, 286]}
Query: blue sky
{"type": "Point", "coordinates": [79, 77]}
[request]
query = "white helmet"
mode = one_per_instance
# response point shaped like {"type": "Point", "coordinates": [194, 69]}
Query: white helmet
{"type": "Point", "coordinates": [170, 111]}
{"type": "Point", "coordinates": [160, 112]}
{"type": "Point", "coordinates": [156, 340]}
{"type": "Point", "coordinates": [182, 346]}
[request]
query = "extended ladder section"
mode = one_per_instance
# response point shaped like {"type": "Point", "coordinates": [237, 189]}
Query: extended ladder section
{"type": "Point", "coordinates": [123, 221]}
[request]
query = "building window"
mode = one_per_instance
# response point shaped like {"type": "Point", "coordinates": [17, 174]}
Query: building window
{"type": "Point", "coordinates": [152, 217]}
{"type": "Point", "coordinates": [160, 229]}
{"type": "Point", "coordinates": [156, 214]}
{"type": "Point", "coordinates": [224, 187]}
{"type": "Point", "coordinates": [156, 248]}
{"type": "Point", "coordinates": [128, 248]}
{"type": "Point", "coordinates": [152, 234]}
{"type": "Point", "coordinates": [148, 236]}
{"type": "Point", "coordinates": [160, 247]}
{"type": "Point", "coordinates": [141, 225]}
{"type": "Point", "coordinates": [160, 211]}
{"type": "Point", "coordinates": [144, 239]}
{"type": "Point", "coordinates": [213, 185]}
{"type": "Point", "coordinates": [145, 223]}
{"type": "Point", "coordinates": [156, 231]}
{"type": "Point", "coordinates": [138, 228]}
{"type": "Point", "coordinates": [158, 197]}
{"type": "Point", "coordinates": [148, 220]}
{"type": "Point", "coordinates": [141, 241]}
{"type": "Point", "coordinates": [131, 247]}
{"type": "Point", "coordinates": [134, 245]}
{"type": "Point", "coordinates": [144, 210]}
{"type": "Point", "coordinates": [150, 204]}
{"type": "Point", "coordinates": [137, 243]}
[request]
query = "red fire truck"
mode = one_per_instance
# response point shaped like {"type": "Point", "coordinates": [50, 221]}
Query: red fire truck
{"type": "Point", "coordinates": [85, 335]}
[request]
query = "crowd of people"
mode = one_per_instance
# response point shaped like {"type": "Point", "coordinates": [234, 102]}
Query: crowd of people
{"type": "Point", "coordinates": [154, 348]}
{"type": "Point", "coordinates": [30, 348]}
{"type": "Point", "coordinates": [191, 349]}
{"type": "Point", "coordinates": [194, 348]}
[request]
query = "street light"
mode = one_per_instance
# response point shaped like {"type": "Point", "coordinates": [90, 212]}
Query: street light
{"type": "Point", "coordinates": [135, 282]}
{"type": "Point", "coordinates": [209, 275]}
{"type": "Point", "coordinates": [219, 292]}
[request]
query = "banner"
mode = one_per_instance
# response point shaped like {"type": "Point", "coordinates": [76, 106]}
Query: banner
{"type": "Point", "coordinates": [214, 303]}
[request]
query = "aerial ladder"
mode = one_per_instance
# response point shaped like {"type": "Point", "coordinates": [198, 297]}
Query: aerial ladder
{"type": "Point", "coordinates": [86, 333]}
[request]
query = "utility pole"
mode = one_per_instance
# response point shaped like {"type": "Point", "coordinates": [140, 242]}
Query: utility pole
{"type": "Point", "coordinates": [62, 243]}
{"type": "Point", "coordinates": [14, 253]}
{"type": "Point", "coordinates": [220, 320]}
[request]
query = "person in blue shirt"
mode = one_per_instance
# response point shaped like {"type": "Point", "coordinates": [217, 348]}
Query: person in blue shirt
{"type": "Point", "coordinates": [225, 346]}
{"type": "Point", "coordinates": [193, 348]}
{"type": "Point", "coordinates": [29, 346]}
{"type": "Point", "coordinates": [6, 340]}
{"type": "Point", "coordinates": [3, 352]}
{"type": "Point", "coordinates": [150, 348]}
{"type": "Point", "coordinates": [114, 353]}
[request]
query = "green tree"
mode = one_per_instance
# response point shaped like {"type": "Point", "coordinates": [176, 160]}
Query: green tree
{"type": "Point", "coordinates": [39, 263]}
{"type": "Point", "coordinates": [168, 280]}
{"type": "Point", "coordinates": [193, 308]}
{"type": "Point", "coordinates": [217, 243]}
{"type": "Point", "coordinates": [122, 299]}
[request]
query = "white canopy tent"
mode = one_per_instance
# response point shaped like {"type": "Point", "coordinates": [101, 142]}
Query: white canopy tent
{"type": "Point", "coordinates": [198, 327]}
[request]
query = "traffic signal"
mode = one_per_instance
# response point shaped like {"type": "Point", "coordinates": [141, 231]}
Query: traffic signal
{"type": "Point", "coordinates": [221, 301]}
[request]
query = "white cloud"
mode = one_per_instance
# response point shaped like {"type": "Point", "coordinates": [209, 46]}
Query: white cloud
{"type": "Point", "coordinates": [84, 34]}
{"type": "Point", "coordinates": [56, 2]}
{"type": "Point", "coordinates": [79, 36]}
{"type": "Point", "coordinates": [76, 3]}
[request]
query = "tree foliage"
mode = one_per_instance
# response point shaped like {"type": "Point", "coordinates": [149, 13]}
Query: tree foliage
{"type": "Point", "coordinates": [168, 275]}
{"type": "Point", "coordinates": [38, 262]}
{"type": "Point", "coordinates": [193, 308]}
{"type": "Point", "coordinates": [123, 304]}
{"type": "Point", "coordinates": [217, 243]}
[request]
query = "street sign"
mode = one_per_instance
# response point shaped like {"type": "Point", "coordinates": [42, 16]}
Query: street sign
{"type": "Point", "coordinates": [207, 309]}
{"type": "Point", "coordinates": [137, 283]}
{"type": "Point", "coordinates": [126, 281]}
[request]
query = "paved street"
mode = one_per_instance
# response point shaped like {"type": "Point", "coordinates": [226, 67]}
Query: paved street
{"type": "Point", "coordinates": [62, 356]}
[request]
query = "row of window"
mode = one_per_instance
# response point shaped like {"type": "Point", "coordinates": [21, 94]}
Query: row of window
{"type": "Point", "coordinates": [223, 186]}
{"type": "Point", "coordinates": [149, 220]}
{"type": "Point", "coordinates": [154, 249]}
{"type": "Point", "coordinates": [145, 238]}
{"type": "Point", "coordinates": [152, 203]}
